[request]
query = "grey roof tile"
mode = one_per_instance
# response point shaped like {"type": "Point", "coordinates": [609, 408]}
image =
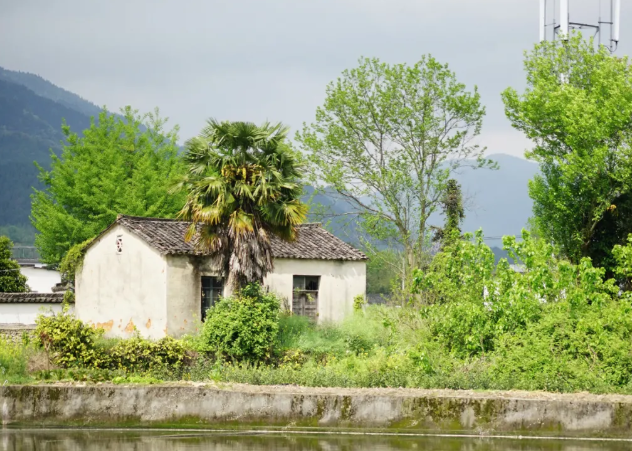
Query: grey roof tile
{"type": "Point", "coordinates": [313, 242]}
{"type": "Point", "coordinates": [31, 298]}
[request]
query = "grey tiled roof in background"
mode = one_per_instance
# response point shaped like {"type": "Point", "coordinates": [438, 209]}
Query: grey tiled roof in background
{"type": "Point", "coordinates": [31, 298]}
{"type": "Point", "coordinates": [313, 241]}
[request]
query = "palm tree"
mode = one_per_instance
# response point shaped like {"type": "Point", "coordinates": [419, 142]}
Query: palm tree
{"type": "Point", "coordinates": [243, 186]}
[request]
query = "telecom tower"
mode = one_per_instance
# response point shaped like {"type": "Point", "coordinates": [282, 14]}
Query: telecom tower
{"type": "Point", "coordinates": [561, 25]}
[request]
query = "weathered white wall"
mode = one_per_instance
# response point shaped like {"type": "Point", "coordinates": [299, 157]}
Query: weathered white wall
{"type": "Point", "coordinates": [121, 291]}
{"type": "Point", "coordinates": [40, 280]}
{"type": "Point", "coordinates": [184, 293]}
{"type": "Point", "coordinates": [161, 295]}
{"type": "Point", "coordinates": [25, 313]}
{"type": "Point", "coordinates": [340, 282]}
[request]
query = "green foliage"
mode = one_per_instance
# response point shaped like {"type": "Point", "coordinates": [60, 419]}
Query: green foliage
{"type": "Point", "coordinates": [577, 109]}
{"type": "Point", "coordinates": [454, 213]}
{"type": "Point", "coordinates": [244, 326]}
{"type": "Point", "coordinates": [388, 138]}
{"type": "Point", "coordinates": [68, 341]}
{"type": "Point", "coordinates": [72, 261]}
{"type": "Point", "coordinates": [120, 165]}
{"type": "Point", "coordinates": [11, 279]}
{"type": "Point", "coordinates": [359, 302]}
{"type": "Point", "coordinates": [13, 361]}
{"type": "Point", "coordinates": [243, 186]}
{"type": "Point", "coordinates": [69, 297]}
{"type": "Point", "coordinates": [581, 347]}
{"type": "Point", "coordinates": [141, 354]}
{"type": "Point", "coordinates": [479, 303]}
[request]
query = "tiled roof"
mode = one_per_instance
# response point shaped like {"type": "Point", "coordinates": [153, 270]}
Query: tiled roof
{"type": "Point", "coordinates": [313, 242]}
{"type": "Point", "coordinates": [31, 298]}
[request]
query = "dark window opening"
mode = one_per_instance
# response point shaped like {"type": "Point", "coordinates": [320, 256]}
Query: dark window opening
{"type": "Point", "coordinates": [305, 296]}
{"type": "Point", "coordinates": [212, 290]}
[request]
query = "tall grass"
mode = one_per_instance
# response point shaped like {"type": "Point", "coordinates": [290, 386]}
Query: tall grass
{"type": "Point", "coordinates": [14, 357]}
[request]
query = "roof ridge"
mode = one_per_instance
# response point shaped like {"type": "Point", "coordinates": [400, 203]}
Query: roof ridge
{"type": "Point", "coordinates": [152, 218]}
{"type": "Point", "coordinates": [149, 218]}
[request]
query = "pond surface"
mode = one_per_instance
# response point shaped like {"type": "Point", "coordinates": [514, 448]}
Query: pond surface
{"type": "Point", "coordinates": [103, 440]}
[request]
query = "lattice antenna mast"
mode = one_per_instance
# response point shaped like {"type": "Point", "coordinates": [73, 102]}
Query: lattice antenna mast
{"type": "Point", "coordinates": [555, 23]}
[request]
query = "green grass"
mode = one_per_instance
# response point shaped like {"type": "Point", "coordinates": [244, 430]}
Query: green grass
{"type": "Point", "coordinates": [14, 357]}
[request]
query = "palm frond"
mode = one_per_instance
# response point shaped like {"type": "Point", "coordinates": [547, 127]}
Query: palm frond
{"type": "Point", "coordinates": [243, 186]}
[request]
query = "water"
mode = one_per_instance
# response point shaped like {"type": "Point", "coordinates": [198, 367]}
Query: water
{"type": "Point", "coordinates": [93, 440]}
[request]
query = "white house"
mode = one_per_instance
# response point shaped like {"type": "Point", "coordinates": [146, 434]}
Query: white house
{"type": "Point", "coordinates": [140, 274]}
{"type": "Point", "coordinates": [21, 309]}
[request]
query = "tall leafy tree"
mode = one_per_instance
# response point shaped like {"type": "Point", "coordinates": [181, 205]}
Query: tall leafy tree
{"type": "Point", "coordinates": [11, 279]}
{"type": "Point", "coordinates": [577, 109]}
{"type": "Point", "coordinates": [243, 187]}
{"type": "Point", "coordinates": [388, 138]}
{"type": "Point", "coordinates": [120, 165]}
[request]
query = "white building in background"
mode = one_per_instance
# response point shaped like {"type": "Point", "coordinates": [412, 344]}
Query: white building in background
{"type": "Point", "coordinates": [40, 278]}
{"type": "Point", "coordinates": [140, 274]}
{"type": "Point", "coordinates": [21, 309]}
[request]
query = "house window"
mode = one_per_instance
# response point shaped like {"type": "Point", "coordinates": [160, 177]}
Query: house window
{"type": "Point", "coordinates": [212, 290]}
{"type": "Point", "coordinates": [305, 296]}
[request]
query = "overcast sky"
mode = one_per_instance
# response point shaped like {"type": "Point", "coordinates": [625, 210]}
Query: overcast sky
{"type": "Point", "coordinates": [269, 59]}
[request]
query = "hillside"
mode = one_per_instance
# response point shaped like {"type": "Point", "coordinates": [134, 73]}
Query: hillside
{"type": "Point", "coordinates": [46, 89]}
{"type": "Point", "coordinates": [30, 125]}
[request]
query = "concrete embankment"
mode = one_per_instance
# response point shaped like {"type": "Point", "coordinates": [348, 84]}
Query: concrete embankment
{"type": "Point", "coordinates": [207, 406]}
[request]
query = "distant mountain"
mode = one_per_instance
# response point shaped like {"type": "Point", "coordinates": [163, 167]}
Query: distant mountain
{"type": "Point", "coordinates": [30, 125]}
{"type": "Point", "coordinates": [46, 89]}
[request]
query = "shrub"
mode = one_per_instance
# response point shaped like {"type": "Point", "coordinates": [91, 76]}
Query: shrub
{"type": "Point", "coordinates": [13, 361]}
{"type": "Point", "coordinates": [68, 341]}
{"type": "Point", "coordinates": [478, 304]}
{"type": "Point", "coordinates": [244, 326]}
{"type": "Point", "coordinates": [139, 354]}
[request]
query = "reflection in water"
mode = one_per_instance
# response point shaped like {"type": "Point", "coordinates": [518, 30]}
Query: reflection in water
{"type": "Point", "coordinates": [15, 440]}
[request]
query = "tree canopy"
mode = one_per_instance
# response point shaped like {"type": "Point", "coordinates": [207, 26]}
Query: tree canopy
{"type": "Point", "coordinates": [387, 139]}
{"type": "Point", "coordinates": [120, 165]}
{"type": "Point", "coordinates": [11, 279]}
{"type": "Point", "coordinates": [577, 109]}
{"type": "Point", "coordinates": [243, 186]}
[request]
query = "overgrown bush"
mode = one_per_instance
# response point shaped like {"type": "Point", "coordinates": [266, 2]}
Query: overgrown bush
{"type": "Point", "coordinates": [244, 326]}
{"type": "Point", "coordinates": [474, 303]}
{"type": "Point", "coordinates": [140, 354]}
{"type": "Point", "coordinates": [68, 341]}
